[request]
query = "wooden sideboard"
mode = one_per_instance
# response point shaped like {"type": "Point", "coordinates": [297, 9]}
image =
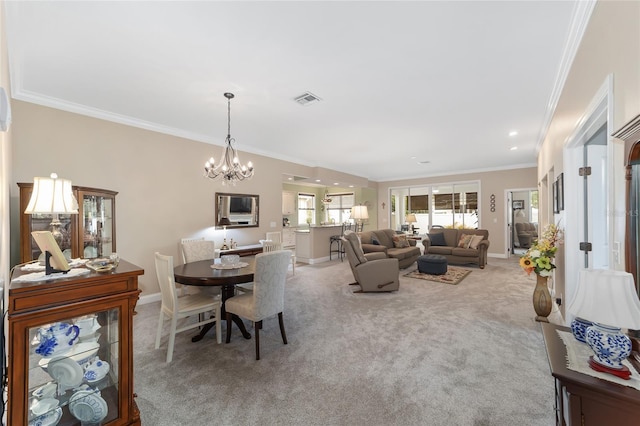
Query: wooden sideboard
{"type": "Point", "coordinates": [248, 250]}
{"type": "Point", "coordinates": [583, 400]}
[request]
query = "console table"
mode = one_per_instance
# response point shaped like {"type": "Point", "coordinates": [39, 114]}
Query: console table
{"type": "Point", "coordinates": [585, 400]}
{"type": "Point", "coordinates": [248, 250]}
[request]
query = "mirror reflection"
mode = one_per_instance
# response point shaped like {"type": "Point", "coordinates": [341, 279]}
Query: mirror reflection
{"type": "Point", "coordinates": [236, 210]}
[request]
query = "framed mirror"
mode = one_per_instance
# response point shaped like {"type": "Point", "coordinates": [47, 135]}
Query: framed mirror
{"type": "Point", "coordinates": [237, 210]}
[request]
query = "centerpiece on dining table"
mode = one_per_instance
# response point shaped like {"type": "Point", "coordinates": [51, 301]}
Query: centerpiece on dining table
{"type": "Point", "coordinates": [539, 259]}
{"type": "Point", "coordinates": [229, 261]}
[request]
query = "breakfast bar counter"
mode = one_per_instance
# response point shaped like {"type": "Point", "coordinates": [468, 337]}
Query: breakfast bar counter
{"type": "Point", "coordinates": [312, 243]}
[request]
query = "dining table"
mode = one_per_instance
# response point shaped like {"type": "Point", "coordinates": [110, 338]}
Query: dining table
{"type": "Point", "coordinates": [204, 273]}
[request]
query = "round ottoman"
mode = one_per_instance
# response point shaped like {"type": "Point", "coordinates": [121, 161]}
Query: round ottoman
{"type": "Point", "coordinates": [433, 264]}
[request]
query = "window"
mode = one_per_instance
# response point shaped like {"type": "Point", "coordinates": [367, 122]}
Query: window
{"type": "Point", "coordinates": [306, 208]}
{"type": "Point", "coordinates": [449, 205]}
{"type": "Point", "coordinates": [339, 209]}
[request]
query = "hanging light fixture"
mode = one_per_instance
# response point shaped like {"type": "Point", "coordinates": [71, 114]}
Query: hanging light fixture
{"type": "Point", "coordinates": [327, 198]}
{"type": "Point", "coordinates": [229, 167]}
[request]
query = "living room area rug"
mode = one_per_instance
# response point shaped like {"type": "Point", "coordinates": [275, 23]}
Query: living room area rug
{"type": "Point", "coordinates": [452, 276]}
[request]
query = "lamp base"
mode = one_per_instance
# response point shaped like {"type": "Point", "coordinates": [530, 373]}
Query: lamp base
{"type": "Point", "coordinates": [623, 372]}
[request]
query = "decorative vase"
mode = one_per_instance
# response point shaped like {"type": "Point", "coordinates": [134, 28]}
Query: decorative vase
{"type": "Point", "coordinates": [610, 347]}
{"type": "Point", "coordinates": [579, 329]}
{"type": "Point", "coordinates": [542, 299]}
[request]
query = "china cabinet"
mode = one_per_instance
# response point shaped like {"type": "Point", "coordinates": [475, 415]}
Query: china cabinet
{"type": "Point", "coordinates": [89, 234]}
{"type": "Point", "coordinates": [71, 349]}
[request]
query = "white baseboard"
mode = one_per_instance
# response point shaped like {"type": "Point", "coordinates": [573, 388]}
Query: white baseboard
{"type": "Point", "coordinates": [497, 255]}
{"type": "Point", "coordinates": [150, 298]}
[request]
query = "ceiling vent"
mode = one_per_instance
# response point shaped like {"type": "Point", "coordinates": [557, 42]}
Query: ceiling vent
{"type": "Point", "coordinates": [307, 98]}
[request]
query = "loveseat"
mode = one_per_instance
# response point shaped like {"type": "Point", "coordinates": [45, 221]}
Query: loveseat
{"type": "Point", "coordinates": [527, 233]}
{"type": "Point", "coordinates": [458, 245]}
{"type": "Point", "coordinates": [393, 245]}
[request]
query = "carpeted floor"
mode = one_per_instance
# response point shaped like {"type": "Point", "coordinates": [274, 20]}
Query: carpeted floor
{"type": "Point", "coordinates": [428, 354]}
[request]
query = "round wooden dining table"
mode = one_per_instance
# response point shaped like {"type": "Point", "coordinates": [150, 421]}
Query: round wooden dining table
{"type": "Point", "coordinates": [201, 274]}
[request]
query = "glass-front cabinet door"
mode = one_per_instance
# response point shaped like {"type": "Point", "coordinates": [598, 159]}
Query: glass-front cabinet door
{"type": "Point", "coordinates": [73, 376]}
{"type": "Point", "coordinates": [96, 216]}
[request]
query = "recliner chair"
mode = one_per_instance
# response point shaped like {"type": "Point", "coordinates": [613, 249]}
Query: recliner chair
{"type": "Point", "coordinates": [374, 272]}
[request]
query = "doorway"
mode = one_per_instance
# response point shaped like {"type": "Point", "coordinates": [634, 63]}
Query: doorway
{"type": "Point", "coordinates": [522, 220]}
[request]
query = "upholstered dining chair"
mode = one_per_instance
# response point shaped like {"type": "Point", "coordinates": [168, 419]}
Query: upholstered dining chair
{"type": "Point", "coordinates": [195, 249]}
{"type": "Point", "coordinates": [372, 271]}
{"type": "Point", "coordinates": [177, 308]}
{"type": "Point", "coordinates": [267, 298]}
{"type": "Point", "coordinates": [276, 237]}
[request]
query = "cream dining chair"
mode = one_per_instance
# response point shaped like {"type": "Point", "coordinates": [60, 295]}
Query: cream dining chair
{"type": "Point", "coordinates": [276, 237]}
{"type": "Point", "coordinates": [178, 308]}
{"type": "Point", "coordinates": [195, 249]}
{"type": "Point", "coordinates": [267, 298]}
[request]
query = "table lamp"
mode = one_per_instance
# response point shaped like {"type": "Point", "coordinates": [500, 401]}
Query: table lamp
{"type": "Point", "coordinates": [52, 196]}
{"type": "Point", "coordinates": [411, 219]}
{"type": "Point", "coordinates": [359, 214]}
{"type": "Point", "coordinates": [607, 298]}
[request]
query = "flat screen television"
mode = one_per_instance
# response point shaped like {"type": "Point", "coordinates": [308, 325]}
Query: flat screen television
{"type": "Point", "coordinates": [240, 205]}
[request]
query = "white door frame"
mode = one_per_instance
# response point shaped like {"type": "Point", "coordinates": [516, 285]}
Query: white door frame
{"type": "Point", "coordinates": [599, 112]}
{"type": "Point", "coordinates": [508, 216]}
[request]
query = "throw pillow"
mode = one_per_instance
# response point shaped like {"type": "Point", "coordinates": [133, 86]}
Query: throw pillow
{"type": "Point", "coordinates": [437, 239]}
{"type": "Point", "coordinates": [475, 240]}
{"type": "Point", "coordinates": [375, 241]}
{"type": "Point", "coordinates": [400, 241]}
{"type": "Point", "coordinates": [464, 241]}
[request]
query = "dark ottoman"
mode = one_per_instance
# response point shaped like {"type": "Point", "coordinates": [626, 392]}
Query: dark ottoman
{"type": "Point", "coordinates": [433, 264]}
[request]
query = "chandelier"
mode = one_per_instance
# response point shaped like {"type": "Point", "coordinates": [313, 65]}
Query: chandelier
{"type": "Point", "coordinates": [229, 167]}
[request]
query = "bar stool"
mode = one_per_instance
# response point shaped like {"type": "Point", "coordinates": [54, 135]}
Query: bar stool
{"type": "Point", "coordinates": [338, 240]}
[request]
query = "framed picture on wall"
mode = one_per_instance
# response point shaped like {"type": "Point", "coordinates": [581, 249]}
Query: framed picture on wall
{"type": "Point", "coordinates": [556, 207]}
{"type": "Point", "coordinates": [560, 182]}
{"type": "Point", "coordinates": [518, 204]}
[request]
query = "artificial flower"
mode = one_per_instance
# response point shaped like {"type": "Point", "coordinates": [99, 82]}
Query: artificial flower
{"type": "Point", "coordinates": [539, 257]}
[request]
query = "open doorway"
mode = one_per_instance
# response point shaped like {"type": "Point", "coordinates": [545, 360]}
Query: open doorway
{"type": "Point", "coordinates": [522, 220]}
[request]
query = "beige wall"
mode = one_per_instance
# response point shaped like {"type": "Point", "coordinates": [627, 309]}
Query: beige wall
{"type": "Point", "coordinates": [496, 182]}
{"type": "Point", "coordinates": [610, 46]}
{"type": "Point", "coordinates": [162, 195]}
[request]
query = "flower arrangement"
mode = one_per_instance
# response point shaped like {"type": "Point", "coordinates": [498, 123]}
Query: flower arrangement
{"type": "Point", "coordinates": [539, 257]}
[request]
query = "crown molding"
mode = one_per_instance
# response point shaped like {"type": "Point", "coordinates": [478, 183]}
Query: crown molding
{"type": "Point", "coordinates": [581, 16]}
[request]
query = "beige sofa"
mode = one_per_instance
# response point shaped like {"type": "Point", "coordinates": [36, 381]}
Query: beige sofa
{"type": "Point", "coordinates": [405, 255]}
{"type": "Point", "coordinates": [450, 249]}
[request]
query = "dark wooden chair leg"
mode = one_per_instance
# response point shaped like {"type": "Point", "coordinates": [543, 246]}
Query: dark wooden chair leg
{"type": "Point", "coordinates": [258, 326]}
{"type": "Point", "coordinates": [281, 321]}
{"type": "Point", "coordinates": [229, 321]}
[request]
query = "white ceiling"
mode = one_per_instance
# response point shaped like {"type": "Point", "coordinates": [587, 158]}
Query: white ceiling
{"type": "Point", "coordinates": [443, 82]}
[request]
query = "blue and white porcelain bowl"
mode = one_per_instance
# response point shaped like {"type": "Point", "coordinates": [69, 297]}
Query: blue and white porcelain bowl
{"type": "Point", "coordinates": [579, 329]}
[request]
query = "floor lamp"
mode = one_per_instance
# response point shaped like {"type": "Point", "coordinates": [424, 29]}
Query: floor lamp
{"type": "Point", "coordinates": [359, 214]}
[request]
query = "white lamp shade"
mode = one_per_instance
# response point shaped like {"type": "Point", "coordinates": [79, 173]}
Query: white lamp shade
{"type": "Point", "coordinates": [359, 212]}
{"type": "Point", "coordinates": [51, 196]}
{"type": "Point", "coordinates": [411, 218]}
{"type": "Point", "coordinates": [606, 297]}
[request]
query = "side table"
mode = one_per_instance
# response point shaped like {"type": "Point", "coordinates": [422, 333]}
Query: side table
{"type": "Point", "coordinates": [586, 400]}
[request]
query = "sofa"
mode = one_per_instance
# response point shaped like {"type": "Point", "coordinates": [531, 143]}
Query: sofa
{"type": "Point", "coordinates": [382, 241]}
{"type": "Point", "coordinates": [527, 233]}
{"type": "Point", "coordinates": [458, 245]}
